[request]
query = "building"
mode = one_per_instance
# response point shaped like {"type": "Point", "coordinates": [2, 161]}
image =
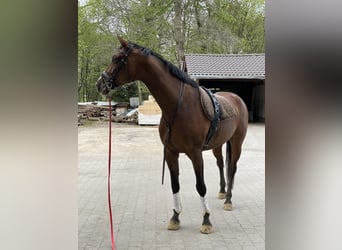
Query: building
{"type": "Point", "coordinates": [243, 74]}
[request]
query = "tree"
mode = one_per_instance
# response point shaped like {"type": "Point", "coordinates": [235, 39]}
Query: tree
{"type": "Point", "coordinates": [246, 21]}
{"type": "Point", "coordinates": [179, 31]}
{"type": "Point", "coordinates": [171, 28]}
{"type": "Point", "coordinates": [88, 65]}
{"type": "Point", "coordinates": [95, 48]}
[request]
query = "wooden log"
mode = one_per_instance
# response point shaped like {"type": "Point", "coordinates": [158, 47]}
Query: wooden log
{"type": "Point", "coordinates": [93, 118]}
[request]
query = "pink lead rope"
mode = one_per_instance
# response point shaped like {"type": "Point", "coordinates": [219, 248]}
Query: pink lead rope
{"type": "Point", "coordinates": [109, 166]}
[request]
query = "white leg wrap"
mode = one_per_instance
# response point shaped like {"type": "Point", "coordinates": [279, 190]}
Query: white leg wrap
{"type": "Point", "coordinates": [205, 205]}
{"type": "Point", "coordinates": [177, 204]}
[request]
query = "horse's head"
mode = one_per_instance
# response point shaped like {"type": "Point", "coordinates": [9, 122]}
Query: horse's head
{"type": "Point", "coordinates": [120, 71]}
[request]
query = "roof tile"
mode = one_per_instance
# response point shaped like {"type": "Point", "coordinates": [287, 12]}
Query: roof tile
{"type": "Point", "coordinates": [237, 66]}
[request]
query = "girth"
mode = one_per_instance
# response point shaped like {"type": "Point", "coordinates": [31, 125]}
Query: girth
{"type": "Point", "coordinates": [215, 121]}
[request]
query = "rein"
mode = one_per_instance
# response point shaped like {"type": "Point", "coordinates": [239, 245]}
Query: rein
{"type": "Point", "coordinates": [169, 125]}
{"type": "Point", "coordinates": [109, 168]}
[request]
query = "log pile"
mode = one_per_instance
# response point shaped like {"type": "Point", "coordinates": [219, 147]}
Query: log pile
{"type": "Point", "coordinates": [92, 112]}
{"type": "Point", "coordinates": [133, 118]}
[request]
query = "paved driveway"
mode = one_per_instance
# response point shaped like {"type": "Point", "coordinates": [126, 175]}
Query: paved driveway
{"type": "Point", "coordinates": [142, 207]}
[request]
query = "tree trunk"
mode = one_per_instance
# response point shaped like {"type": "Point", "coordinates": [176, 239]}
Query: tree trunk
{"type": "Point", "coordinates": [179, 32]}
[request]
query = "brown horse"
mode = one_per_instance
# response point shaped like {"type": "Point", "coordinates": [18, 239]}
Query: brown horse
{"type": "Point", "coordinates": [184, 126]}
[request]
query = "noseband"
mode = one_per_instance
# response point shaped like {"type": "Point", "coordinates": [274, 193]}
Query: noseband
{"type": "Point", "coordinates": [109, 80]}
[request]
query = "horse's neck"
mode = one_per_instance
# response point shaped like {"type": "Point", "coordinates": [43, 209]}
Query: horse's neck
{"type": "Point", "coordinates": [163, 86]}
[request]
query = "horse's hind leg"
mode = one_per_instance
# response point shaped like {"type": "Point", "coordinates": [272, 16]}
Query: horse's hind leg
{"type": "Point", "coordinates": [234, 146]}
{"type": "Point", "coordinates": [219, 161]}
{"type": "Point", "coordinates": [172, 163]}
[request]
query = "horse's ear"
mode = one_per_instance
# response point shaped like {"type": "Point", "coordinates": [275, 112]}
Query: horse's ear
{"type": "Point", "coordinates": [122, 41]}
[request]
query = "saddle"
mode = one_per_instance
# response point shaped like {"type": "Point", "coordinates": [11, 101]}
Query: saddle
{"type": "Point", "coordinates": [216, 108]}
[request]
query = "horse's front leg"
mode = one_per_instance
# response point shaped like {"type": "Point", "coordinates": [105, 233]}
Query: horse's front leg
{"type": "Point", "coordinates": [197, 161]}
{"type": "Point", "coordinates": [172, 162]}
{"type": "Point", "coordinates": [219, 161]}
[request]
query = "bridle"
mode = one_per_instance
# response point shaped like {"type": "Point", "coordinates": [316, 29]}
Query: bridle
{"type": "Point", "coordinates": [109, 80]}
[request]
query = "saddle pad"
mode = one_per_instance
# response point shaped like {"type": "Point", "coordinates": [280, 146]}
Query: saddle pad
{"type": "Point", "coordinates": [226, 109]}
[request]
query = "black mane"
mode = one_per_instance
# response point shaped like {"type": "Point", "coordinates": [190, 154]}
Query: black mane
{"type": "Point", "coordinates": [175, 71]}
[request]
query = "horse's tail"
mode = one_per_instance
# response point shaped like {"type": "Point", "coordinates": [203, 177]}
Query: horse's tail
{"type": "Point", "coordinates": [228, 154]}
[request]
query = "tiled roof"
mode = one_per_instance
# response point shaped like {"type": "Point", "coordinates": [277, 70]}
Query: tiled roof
{"type": "Point", "coordinates": [232, 66]}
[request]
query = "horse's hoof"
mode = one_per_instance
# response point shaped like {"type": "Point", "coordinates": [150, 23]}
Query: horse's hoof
{"type": "Point", "coordinates": [221, 196]}
{"type": "Point", "coordinates": [228, 207]}
{"type": "Point", "coordinates": [173, 225]}
{"type": "Point", "coordinates": [206, 229]}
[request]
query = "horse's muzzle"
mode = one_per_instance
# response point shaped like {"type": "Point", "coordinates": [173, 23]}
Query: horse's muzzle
{"type": "Point", "coordinates": [105, 83]}
{"type": "Point", "coordinates": [101, 86]}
